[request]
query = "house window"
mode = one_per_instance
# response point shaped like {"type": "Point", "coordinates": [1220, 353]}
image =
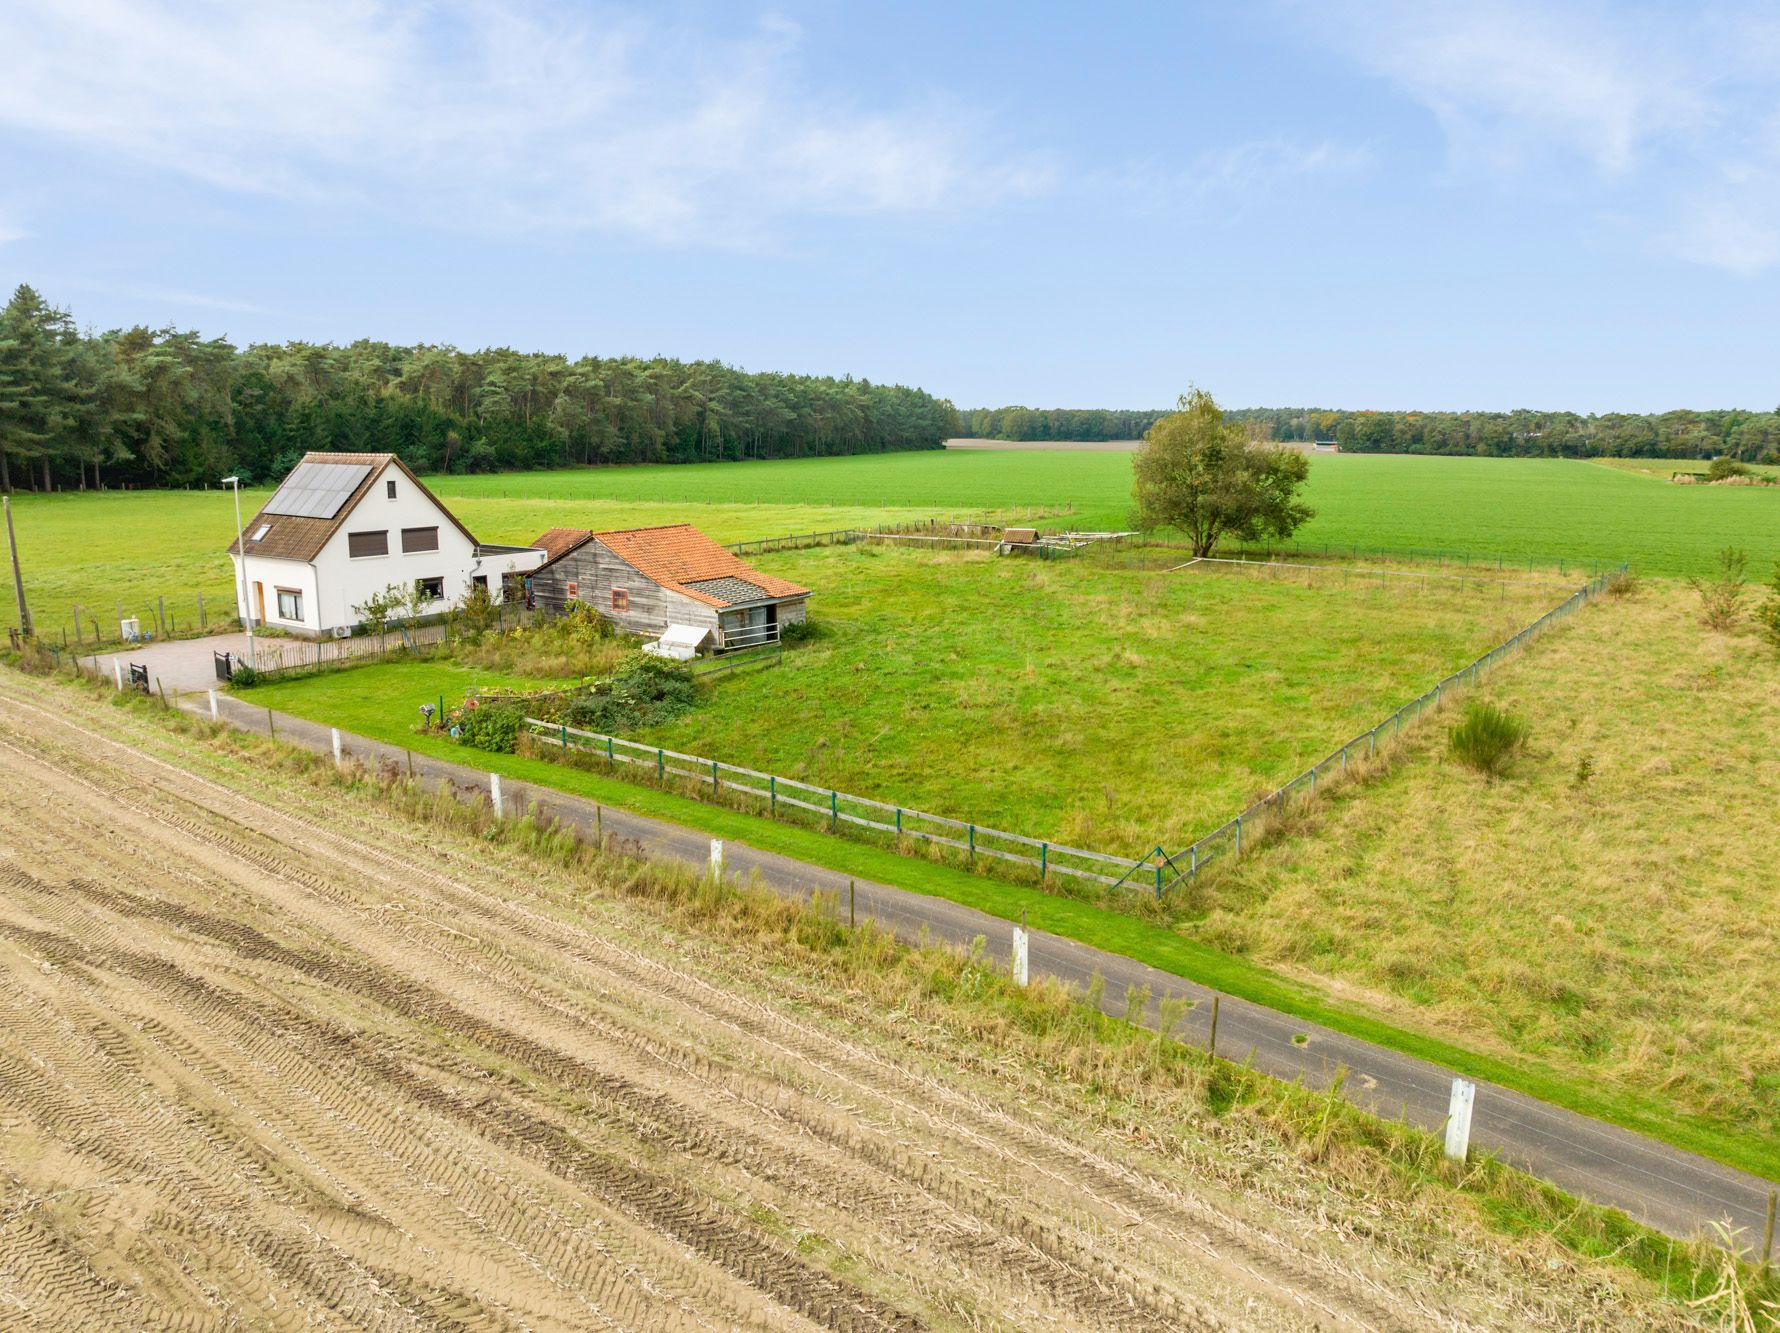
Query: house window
{"type": "Point", "coordinates": [420, 539]}
{"type": "Point", "coordinates": [362, 544]}
{"type": "Point", "coordinates": [431, 590]}
{"type": "Point", "coordinates": [290, 604]}
{"type": "Point", "coordinates": [620, 600]}
{"type": "Point", "coordinates": [480, 580]}
{"type": "Point", "coordinates": [389, 488]}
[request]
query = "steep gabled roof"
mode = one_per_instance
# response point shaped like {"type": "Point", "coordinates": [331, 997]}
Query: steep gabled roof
{"type": "Point", "coordinates": [296, 538]}
{"type": "Point", "coordinates": [681, 558]}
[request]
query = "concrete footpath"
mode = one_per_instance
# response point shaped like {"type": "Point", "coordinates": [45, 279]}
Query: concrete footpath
{"type": "Point", "coordinates": [1677, 1192]}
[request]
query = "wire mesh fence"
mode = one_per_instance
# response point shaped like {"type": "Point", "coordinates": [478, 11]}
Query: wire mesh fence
{"type": "Point", "coordinates": [1227, 840]}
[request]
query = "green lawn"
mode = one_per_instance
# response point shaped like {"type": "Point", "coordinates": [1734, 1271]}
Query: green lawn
{"type": "Point", "coordinates": [1077, 701]}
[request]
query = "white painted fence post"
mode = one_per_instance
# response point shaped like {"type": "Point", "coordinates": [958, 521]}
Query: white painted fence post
{"type": "Point", "coordinates": [494, 794]}
{"type": "Point", "coordinates": [334, 734]}
{"type": "Point", "coordinates": [1020, 963]}
{"type": "Point", "coordinates": [1458, 1119]}
{"type": "Point", "coordinates": [215, 716]}
{"type": "Point", "coordinates": [117, 672]}
{"type": "Point", "coordinates": [717, 858]}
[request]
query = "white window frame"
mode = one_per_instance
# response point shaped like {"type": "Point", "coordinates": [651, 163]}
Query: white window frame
{"type": "Point", "coordinates": [296, 597]}
{"type": "Point", "coordinates": [438, 579]}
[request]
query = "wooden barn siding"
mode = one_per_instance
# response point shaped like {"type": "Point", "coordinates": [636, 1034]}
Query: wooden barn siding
{"type": "Point", "coordinates": [597, 570]}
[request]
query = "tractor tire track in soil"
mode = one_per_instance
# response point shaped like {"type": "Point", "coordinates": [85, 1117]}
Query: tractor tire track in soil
{"type": "Point", "coordinates": [273, 1061]}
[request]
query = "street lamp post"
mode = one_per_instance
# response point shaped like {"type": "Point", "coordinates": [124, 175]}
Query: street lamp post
{"type": "Point", "coordinates": [234, 483]}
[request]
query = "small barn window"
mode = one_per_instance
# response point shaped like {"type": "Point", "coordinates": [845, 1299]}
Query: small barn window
{"type": "Point", "coordinates": [432, 590]}
{"type": "Point", "coordinates": [361, 544]}
{"type": "Point", "coordinates": [290, 604]}
{"type": "Point", "coordinates": [389, 488]}
{"type": "Point", "coordinates": [620, 600]}
{"type": "Point", "coordinates": [574, 590]}
{"type": "Point", "coordinates": [420, 539]}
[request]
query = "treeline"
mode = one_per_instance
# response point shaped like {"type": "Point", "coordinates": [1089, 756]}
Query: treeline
{"type": "Point", "coordinates": [166, 407]}
{"type": "Point", "coordinates": [1749, 437]}
{"type": "Point", "coordinates": [1057, 423]}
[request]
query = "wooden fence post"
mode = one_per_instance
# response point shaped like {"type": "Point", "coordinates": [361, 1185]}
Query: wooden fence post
{"type": "Point", "coordinates": [853, 920]}
{"type": "Point", "coordinates": [1211, 1042]}
{"type": "Point", "coordinates": [1767, 1235]}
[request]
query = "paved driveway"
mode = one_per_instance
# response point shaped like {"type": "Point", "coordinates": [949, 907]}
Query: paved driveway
{"type": "Point", "coordinates": [178, 664]}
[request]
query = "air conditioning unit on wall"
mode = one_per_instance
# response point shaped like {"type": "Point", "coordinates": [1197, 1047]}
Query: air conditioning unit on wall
{"type": "Point", "coordinates": [342, 631]}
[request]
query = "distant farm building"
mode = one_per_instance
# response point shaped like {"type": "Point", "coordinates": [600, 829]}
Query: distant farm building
{"type": "Point", "coordinates": [1310, 446]}
{"type": "Point", "coordinates": [673, 578]}
{"type": "Point", "coordinates": [342, 528]}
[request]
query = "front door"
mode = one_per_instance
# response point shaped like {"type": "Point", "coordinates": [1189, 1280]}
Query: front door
{"type": "Point", "coordinates": [259, 601]}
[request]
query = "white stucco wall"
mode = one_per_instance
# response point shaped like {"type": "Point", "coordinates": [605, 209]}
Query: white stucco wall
{"type": "Point", "coordinates": [273, 575]}
{"type": "Point", "coordinates": [345, 582]}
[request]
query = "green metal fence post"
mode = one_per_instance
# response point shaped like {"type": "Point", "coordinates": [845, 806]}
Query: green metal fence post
{"type": "Point", "coordinates": [899, 822]}
{"type": "Point", "coordinates": [660, 767]}
{"type": "Point", "coordinates": [973, 841]}
{"type": "Point", "coordinates": [713, 777]}
{"type": "Point", "coordinates": [564, 735]}
{"type": "Point", "coordinates": [772, 788]}
{"type": "Point", "coordinates": [1044, 857]}
{"type": "Point", "coordinates": [834, 809]}
{"type": "Point", "coordinates": [608, 749]}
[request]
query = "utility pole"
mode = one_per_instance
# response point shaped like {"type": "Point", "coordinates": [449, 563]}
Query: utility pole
{"type": "Point", "coordinates": [241, 569]}
{"type": "Point", "coordinates": [18, 578]}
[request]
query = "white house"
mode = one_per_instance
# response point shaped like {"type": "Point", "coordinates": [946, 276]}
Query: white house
{"type": "Point", "coordinates": [342, 528]}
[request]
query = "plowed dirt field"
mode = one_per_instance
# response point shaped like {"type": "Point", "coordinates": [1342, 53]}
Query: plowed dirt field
{"type": "Point", "coordinates": [269, 1059]}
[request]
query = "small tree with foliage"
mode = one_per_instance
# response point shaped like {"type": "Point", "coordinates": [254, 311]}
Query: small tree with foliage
{"type": "Point", "coordinates": [1721, 595]}
{"type": "Point", "coordinates": [475, 614]}
{"type": "Point", "coordinates": [379, 609]}
{"type": "Point", "coordinates": [1767, 615]}
{"type": "Point", "coordinates": [1201, 474]}
{"type": "Point", "coordinates": [1724, 467]}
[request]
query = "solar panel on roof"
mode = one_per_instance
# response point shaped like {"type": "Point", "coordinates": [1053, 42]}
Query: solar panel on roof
{"type": "Point", "coordinates": [317, 490]}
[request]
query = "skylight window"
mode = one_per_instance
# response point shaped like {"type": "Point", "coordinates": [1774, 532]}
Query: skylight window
{"type": "Point", "coordinates": [260, 536]}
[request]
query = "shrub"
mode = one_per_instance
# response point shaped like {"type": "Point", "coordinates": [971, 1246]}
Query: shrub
{"type": "Point", "coordinates": [644, 690]}
{"type": "Point", "coordinates": [801, 632]}
{"type": "Point", "coordinates": [1724, 467]}
{"type": "Point", "coordinates": [580, 642]}
{"type": "Point", "coordinates": [1767, 615]}
{"type": "Point", "coordinates": [244, 677]}
{"type": "Point", "coordinates": [1487, 739]}
{"type": "Point", "coordinates": [1721, 596]}
{"type": "Point", "coordinates": [490, 726]}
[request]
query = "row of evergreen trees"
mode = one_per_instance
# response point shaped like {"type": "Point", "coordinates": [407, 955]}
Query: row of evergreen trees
{"type": "Point", "coordinates": [1747, 436]}
{"type": "Point", "coordinates": [165, 407]}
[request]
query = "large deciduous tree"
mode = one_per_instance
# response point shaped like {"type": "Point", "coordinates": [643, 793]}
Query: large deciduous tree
{"type": "Point", "coordinates": [1200, 474]}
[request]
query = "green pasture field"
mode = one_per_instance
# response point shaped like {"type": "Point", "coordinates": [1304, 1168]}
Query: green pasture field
{"type": "Point", "coordinates": [1079, 701]}
{"type": "Point", "coordinates": [117, 552]}
{"type": "Point", "coordinates": [1546, 510]}
{"type": "Point", "coordinates": [1608, 908]}
{"type": "Point", "coordinates": [121, 550]}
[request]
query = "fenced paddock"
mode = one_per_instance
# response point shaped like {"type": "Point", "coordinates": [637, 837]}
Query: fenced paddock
{"type": "Point", "coordinates": [1155, 870]}
{"type": "Point", "coordinates": [824, 805]}
{"type": "Point", "coordinates": [1227, 839]}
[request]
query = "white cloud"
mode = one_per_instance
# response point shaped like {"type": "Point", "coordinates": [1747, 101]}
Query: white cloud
{"type": "Point", "coordinates": [1666, 115]}
{"type": "Point", "coordinates": [1226, 181]}
{"type": "Point", "coordinates": [487, 113]}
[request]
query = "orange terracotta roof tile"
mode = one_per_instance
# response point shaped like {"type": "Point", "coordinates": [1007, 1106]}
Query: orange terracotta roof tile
{"type": "Point", "coordinates": [679, 554]}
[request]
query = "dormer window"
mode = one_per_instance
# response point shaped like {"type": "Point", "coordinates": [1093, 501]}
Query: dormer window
{"type": "Point", "coordinates": [260, 535]}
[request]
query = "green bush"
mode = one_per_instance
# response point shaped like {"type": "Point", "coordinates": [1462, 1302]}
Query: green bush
{"type": "Point", "coordinates": [643, 691]}
{"type": "Point", "coordinates": [1722, 468]}
{"type": "Point", "coordinates": [244, 677]}
{"type": "Point", "coordinates": [490, 726]}
{"type": "Point", "coordinates": [1487, 739]}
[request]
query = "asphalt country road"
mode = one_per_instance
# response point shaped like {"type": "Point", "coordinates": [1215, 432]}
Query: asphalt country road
{"type": "Point", "coordinates": [1680, 1193]}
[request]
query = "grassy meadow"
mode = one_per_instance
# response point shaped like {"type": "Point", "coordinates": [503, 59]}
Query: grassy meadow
{"type": "Point", "coordinates": [1608, 908]}
{"type": "Point", "coordinates": [1079, 701]}
{"type": "Point", "coordinates": [119, 551]}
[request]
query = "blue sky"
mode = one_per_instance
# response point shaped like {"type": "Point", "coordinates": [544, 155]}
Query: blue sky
{"type": "Point", "coordinates": [1490, 204]}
